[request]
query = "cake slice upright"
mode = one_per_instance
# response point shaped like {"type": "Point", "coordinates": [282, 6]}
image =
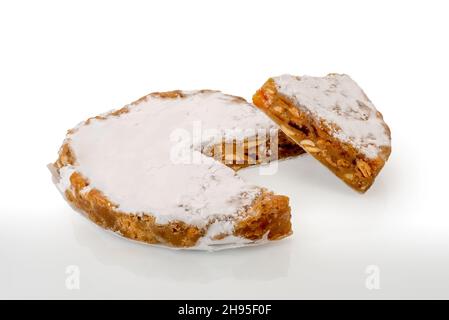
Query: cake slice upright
{"type": "Point", "coordinates": [333, 120]}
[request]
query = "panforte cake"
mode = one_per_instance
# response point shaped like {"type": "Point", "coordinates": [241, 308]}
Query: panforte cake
{"type": "Point", "coordinates": [162, 170]}
{"type": "Point", "coordinates": [333, 120]}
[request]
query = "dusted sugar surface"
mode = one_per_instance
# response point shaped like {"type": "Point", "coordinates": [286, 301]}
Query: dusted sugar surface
{"type": "Point", "coordinates": [340, 104]}
{"type": "Point", "coordinates": [149, 160]}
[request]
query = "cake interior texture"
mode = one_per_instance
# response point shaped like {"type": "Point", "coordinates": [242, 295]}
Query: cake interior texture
{"type": "Point", "coordinates": [333, 120]}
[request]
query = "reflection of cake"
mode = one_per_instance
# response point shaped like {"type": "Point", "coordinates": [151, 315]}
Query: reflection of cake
{"type": "Point", "coordinates": [132, 171]}
{"type": "Point", "coordinates": [333, 120]}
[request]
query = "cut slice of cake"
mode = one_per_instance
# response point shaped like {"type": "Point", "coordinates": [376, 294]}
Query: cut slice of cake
{"type": "Point", "coordinates": [161, 171]}
{"type": "Point", "coordinates": [333, 120]}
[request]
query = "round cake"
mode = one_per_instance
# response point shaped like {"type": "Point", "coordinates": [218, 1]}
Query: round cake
{"type": "Point", "coordinates": [162, 170]}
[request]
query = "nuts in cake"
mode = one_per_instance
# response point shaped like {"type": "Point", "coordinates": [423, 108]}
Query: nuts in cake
{"type": "Point", "coordinates": [332, 119]}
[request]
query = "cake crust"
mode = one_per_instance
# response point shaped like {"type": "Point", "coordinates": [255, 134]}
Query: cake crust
{"type": "Point", "coordinates": [311, 114]}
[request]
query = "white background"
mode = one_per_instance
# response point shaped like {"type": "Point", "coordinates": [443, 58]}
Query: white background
{"type": "Point", "coordinates": [64, 61]}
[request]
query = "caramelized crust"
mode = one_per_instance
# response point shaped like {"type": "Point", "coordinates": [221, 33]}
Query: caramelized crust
{"type": "Point", "coordinates": [311, 134]}
{"type": "Point", "coordinates": [272, 215]}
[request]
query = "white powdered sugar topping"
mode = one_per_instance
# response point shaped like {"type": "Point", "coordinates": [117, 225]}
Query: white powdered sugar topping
{"type": "Point", "coordinates": [130, 158]}
{"type": "Point", "coordinates": [340, 104]}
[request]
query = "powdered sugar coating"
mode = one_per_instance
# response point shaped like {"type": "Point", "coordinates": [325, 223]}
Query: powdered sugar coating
{"type": "Point", "coordinates": [340, 104]}
{"type": "Point", "coordinates": [129, 158]}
